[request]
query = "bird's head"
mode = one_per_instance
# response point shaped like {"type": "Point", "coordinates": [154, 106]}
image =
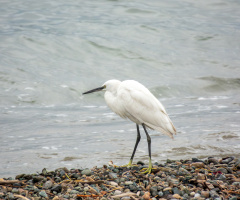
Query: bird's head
{"type": "Point", "coordinates": [111, 86]}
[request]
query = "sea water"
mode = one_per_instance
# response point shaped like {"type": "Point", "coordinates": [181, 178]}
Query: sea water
{"type": "Point", "coordinates": [186, 53]}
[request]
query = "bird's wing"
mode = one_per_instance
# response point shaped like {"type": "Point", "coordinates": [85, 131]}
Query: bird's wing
{"type": "Point", "coordinates": [145, 108]}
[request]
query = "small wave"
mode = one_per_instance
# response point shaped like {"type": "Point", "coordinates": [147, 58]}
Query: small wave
{"type": "Point", "coordinates": [221, 84]}
{"type": "Point", "coordinates": [140, 11]}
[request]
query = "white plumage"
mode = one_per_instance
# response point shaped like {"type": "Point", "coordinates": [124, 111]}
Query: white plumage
{"type": "Point", "coordinates": [130, 99]}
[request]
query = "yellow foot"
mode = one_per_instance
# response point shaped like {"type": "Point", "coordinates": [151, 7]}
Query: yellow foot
{"type": "Point", "coordinates": [149, 169]}
{"type": "Point", "coordinates": [128, 165]}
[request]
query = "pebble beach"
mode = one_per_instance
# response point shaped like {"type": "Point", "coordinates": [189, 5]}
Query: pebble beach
{"type": "Point", "coordinates": [210, 178]}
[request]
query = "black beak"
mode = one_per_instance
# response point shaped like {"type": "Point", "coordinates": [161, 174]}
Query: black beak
{"type": "Point", "coordinates": [94, 90]}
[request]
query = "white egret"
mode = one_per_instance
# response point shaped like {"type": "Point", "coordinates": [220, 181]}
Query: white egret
{"type": "Point", "coordinates": [130, 99]}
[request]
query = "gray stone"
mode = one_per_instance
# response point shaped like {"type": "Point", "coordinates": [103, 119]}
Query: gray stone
{"type": "Point", "coordinates": [66, 196]}
{"type": "Point", "coordinates": [57, 188]}
{"type": "Point", "coordinates": [226, 160]}
{"type": "Point", "coordinates": [15, 190]}
{"type": "Point", "coordinates": [133, 188]}
{"type": "Point", "coordinates": [74, 192]}
{"type": "Point", "coordinates": [47, 185]}
{"type": "Point", "coordinates": [176, 190]}
{"type": "Point", "coordinates": [183, 172]}
{"type": "Point", "coordinates": [86, 172]}
{"type": "Point", "coordinates": [121, 179]}
{"type": "Point", "coordinates": [78, 188]}
{"type": "Point", "coordinates": [221, 177]}
{"type": "Point", "coordinates": [37, 179]}
{"type": "Point", "coordinates": [154, 190]}
{"type": "Point", "coordinates": [223, 170]}
{"type": "Point", "coordinates": [75, 175]}
{"type": "Point", "coordinates": [117, 192]}
{"type": "Point", "coordinates": [43, 194]}
{"type": "Point", "coordinates": [113, 175]}
{"type": "Point", "coordinates": [160, 193]}
{"type": "Point", "coordinates": [213, 194]}
{"type": "Point", "coordinates": [157, 179]}
{"type": "Point", "coordinates": [233, 198]}
{"type": "Point", "coordinates": [10, 196]}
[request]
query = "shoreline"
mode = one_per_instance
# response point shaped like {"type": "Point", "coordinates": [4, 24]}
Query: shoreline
{"type": "Point", "coordinates": [211, 178]}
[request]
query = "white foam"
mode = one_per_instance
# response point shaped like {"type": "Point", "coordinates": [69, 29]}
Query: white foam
{"type": "Point", "coordinates": [64, 86]}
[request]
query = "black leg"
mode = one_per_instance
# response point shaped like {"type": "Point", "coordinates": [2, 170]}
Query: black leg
{"type": "Point", "coordinates": [137, 141]}
{"type": "Point", "coordinates": [148, 140]}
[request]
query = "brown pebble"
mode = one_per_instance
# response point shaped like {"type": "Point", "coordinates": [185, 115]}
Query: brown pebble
{"type": "Point", "coordinates": [201, 176]}
{"type": "Point", "coordinates": [178, 163]}
{"type": "Point", "coordinates": [166, 189]}
{"type": "Point", "coordinates": [205, 194]}
{"type": "Point", "coordinates": [177, 196]}
{"type": "Point", "coordinates": [209, 185]}
{"type": "Point", "coordinates": [198, 164]}
{"type": "Point", "coordinates": [146, 196]}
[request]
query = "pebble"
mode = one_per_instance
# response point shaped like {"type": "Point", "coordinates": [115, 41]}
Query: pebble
{"type": "Point", "coordinates": [177, 196]}
{"type": "Point", "coordinates": [201, 176]}
{"type": "Point", "coordinates": [226, 160]}
{"type": "Point", "coordinates": [146, 196]}
{"type": "Point", "coordinates": [198, 164]}
{"type": "Point", "coordinates": [160, 193]}
{"type": "Point", "coordinates": [205, 194]}
{"type": "Point", "coordinates": [176, 190]}
{"type": "Point", "coordinates": [128, 182]}
{"type": "Point", "coordinates": [43, 194]}
{"type": "Point", "coordinates": [192, 194]}
{"type": "Point", "coordinates": [154, 191]}
{"type": "Point", "coordinates": [113, 175]}
{"type": "Point", "coordinates": [113, 183]}
{"type": "Point", "coordinates": [223, 170]}
{"type": "Point", "coordinates": [213, 160]}
{"type": "Point", "coordinates": [197, 195]}
{"type": "Point", "coordinates": [117, 192]}
{"type": "Point", "coordinates": [183, 172]}
{"type": "Point", "coordinates": [212, 178]}
{"type": "Point", "coordinates": [47, 185]}
{"type": "Point", "coordinates": [86, 172]}
{"type": "Point", "coordinates": [57, 188]}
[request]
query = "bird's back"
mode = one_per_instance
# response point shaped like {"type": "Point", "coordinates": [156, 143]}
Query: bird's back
{"type": "Point", "coordinates": [141, 106]}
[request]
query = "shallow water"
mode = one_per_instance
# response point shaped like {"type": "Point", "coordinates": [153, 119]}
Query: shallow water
{"type": "Point", "coordinates": [186, 53]}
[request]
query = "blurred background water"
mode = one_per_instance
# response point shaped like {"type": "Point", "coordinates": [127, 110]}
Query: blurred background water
{"type": "Point", "coordinates": [186, 52]}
